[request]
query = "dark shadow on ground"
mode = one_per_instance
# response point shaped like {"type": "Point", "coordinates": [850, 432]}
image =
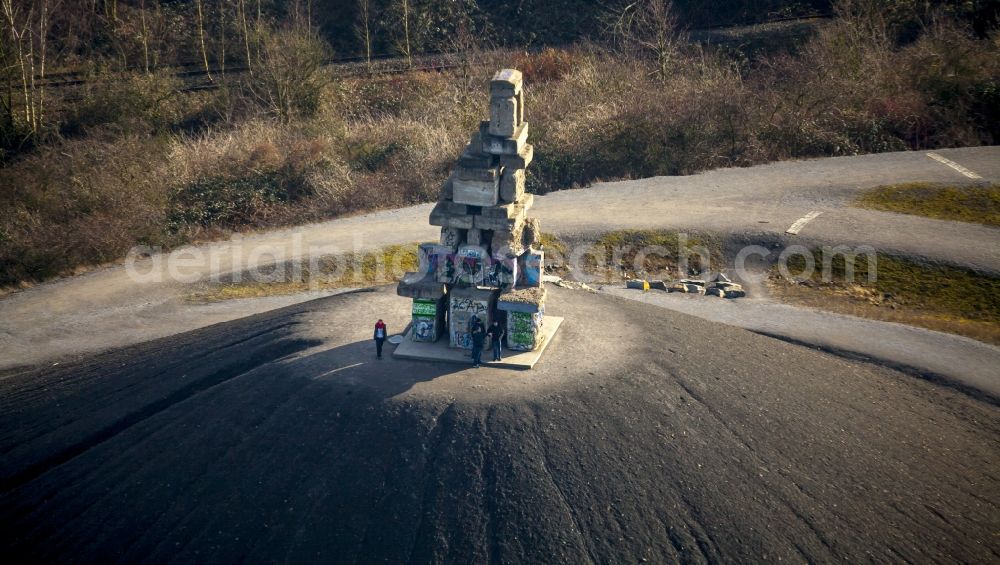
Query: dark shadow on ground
{"type": "Point", "coordinates": [660, 437]}
{"type": "Point", "coordinates": [234, 428]}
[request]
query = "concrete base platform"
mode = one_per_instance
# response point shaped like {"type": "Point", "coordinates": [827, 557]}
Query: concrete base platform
{"type": "Point", "coordinates": [440, 352]}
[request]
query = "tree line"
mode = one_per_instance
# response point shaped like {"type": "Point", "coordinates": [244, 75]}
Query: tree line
{"type": "Point", "coordinates": [100, 37]}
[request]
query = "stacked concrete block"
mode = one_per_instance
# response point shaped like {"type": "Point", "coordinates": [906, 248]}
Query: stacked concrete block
{"type": "Point", "coordinates": [429, 305]}
{"type": "Point", "coordinates": [473, 263]}
{"type": "Point", "coordinates": [525, 310]}
{"type": "Point", "coordinates": [488, 243]}
{"type": "Point", "coordinates": [429, 318]}
{"type": "Point", "coordinates": [452, 238]}
{"type": "Point", "coordinates": [479, 186]}
{"type": "Point", "coordinates": [531, 268]}
{"type": "Point", "coordinates": [725, 288]}
{"type": "Point", "coordinates": [721, 287]}
{"type": "Point", "coordinates": [467, 304]}
{"type": "Point", "coordinates": [504, 272]}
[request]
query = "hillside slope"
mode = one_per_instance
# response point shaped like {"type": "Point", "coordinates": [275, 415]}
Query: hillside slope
{"type": "Point", "coordinates": [648, 435]}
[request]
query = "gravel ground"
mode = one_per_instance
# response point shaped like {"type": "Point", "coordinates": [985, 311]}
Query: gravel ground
{"type": "Point", "coordinates": [644, 434]}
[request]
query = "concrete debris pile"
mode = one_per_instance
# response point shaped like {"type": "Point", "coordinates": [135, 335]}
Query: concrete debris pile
{"type": "Point", "coordinates": [487, 263]}
{"type": "Point", "coordinates": [721, 286]}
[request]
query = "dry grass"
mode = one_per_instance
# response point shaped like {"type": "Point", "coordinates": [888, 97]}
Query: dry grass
{"type": "Point", "coordinates": [217, 162]}
{"type": "Point", "coordinates": [972, 203]}
{"type": "Point", "coordinates": [383, 266]}
{"type": "Point", "coordinates": [623, 254]}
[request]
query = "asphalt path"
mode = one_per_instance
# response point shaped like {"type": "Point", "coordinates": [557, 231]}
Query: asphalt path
{"type": "Point", "coordinates": [643, 435]}
{"type": "Point", "coordinates": [105, 309]}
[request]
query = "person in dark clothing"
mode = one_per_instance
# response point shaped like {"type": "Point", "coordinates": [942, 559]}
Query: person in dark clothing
{"type": "Point", "coordinates": [381, 332]}
{"type": "Point", "coordinates": [478, 335]}
{"type": "Point", "coordinates": [496, 333]}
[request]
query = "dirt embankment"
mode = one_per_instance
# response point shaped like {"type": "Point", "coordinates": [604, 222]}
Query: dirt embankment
{"type": "Point", "coordinates": [643, 434]}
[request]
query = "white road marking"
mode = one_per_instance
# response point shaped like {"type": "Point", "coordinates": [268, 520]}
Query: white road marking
{"type": "Point", "coordinates": [801, 223]}
{"type": "Point", "coordinates": [337, 370]}
{"type": "Point", "coordinates": [954, 165]}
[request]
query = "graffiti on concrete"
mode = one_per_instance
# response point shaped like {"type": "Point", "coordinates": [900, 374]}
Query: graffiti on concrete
{"type": "Point", "coordinates": [463, 310]}
{"type": "Point", "coordinates": [502, 273]}
{"type": "Point", "coordinates": [423, 307]}
{"type": "Point", "coordinates": [452, 237]}
{"type": "Point", "coordinates": [472, 263]}
{"type": "Point", "coordinates": [532, 268]}
{"type": "Point", "coordinates": [427, 319]}
{"type": "Point", "coordinates": [482, 210]}
{"type": "Point", "coordinates": [524, 330]}
{"type": "Point", "coordinates": [424, 329]}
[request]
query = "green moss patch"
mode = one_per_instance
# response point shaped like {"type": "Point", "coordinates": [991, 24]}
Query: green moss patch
{"type": "Point", "coordinates": [973, 203]}
{"type": "Point", "coordinates": [384, 266]}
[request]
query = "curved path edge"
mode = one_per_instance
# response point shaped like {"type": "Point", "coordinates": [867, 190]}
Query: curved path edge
{"type": "Point", "coordinates": [960, 362]}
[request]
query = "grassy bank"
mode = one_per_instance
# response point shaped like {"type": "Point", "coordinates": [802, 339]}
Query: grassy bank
{"type": "Point", "coordinates": [137, 162]}
{"type": "Point", "coordinates": [936, 297]}
{"type": "Point", "coordinates": [354, 270]}
{"type": "Point", "coordinates": [972, 203]}
{"type": "Point", "coordinates": [889, 288]}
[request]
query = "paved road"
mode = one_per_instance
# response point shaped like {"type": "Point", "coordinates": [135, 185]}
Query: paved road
{"type": "Point", "coordinates": [644, 434]}
{"type": "Point", "coordinates": [740, 201]}
{"type": "Point", "coordinates": [107, 309]}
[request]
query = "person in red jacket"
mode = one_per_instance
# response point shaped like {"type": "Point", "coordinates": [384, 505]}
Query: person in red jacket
{"type": "Point", "coordinates": [381, 332]}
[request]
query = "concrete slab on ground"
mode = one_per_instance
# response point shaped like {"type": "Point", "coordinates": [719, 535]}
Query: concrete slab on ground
{"type": "Point", "coordinates": [440, 352]}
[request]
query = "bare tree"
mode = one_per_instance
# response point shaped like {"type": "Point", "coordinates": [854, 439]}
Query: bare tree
{"type": "Point", "coordinates": [7, 67]}
{"type": "Point", "coordinates": [650, 28]}
{"type": "Point", "coordinates": [406, 33]}
{"type": "Point", "coordinates": [242, 7]}
{"type": "Point", "coordinates": [42, 39]}
{"type": "Point", "coordinates": [222, 39]}
{"type": "Point", "coordinates": [18, 31]}
{"type": "Point", "coordinates": [365, 30]}
{"type": "Point", "coordinates": [28, 31]}
{"type": "Point", "coordinates": [291, 73]}
{"type": "Point", "coordinates": [201, 37]}
{"type": "Point", "coordinates": [145, 36]}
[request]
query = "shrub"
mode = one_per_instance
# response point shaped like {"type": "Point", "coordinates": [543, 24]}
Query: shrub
{"type": "Point", "coordinates": [548, 65]}
{"type": "Point", "coordinates": [102, 199]}
{"type": "Point", "coordinates": [131, 103]}
{"type": "Point", "coordinates": [290, 77]}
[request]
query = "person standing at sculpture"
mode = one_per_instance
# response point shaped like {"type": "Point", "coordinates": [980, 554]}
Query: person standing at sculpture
{"type": "Point", "coordinates": [496, 333]}
{"type": "Point", "coordinates": [381, 333]}
{"type": "Point", "coordinates": [478, 334]}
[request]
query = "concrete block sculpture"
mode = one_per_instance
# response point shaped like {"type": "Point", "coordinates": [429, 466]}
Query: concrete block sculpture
{"type": "Point", "coordinates": [487, 262]}
{"type": "Point", "coordinates": [525, 309]}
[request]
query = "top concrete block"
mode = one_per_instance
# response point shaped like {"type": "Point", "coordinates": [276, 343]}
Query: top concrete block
{"type": "Point", "coordinates": [506, 83]}
{"type": "Point", "coordinates": [420, 285]}
{"type": "Point", "coordinates": [527, 300]}
{"type": "Point", "coordinates": [503, 116]}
